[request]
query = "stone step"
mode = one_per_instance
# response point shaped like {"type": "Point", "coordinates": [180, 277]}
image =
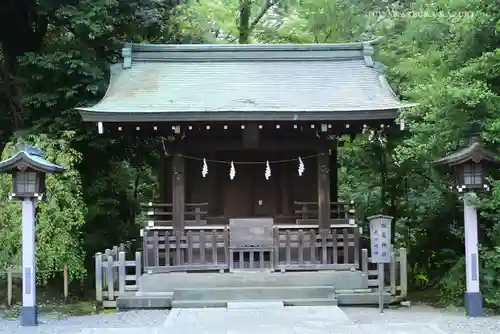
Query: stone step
{"type": "Point", "coordinates": [255, 293]}
{"type": "Point", "coordinates": [311, 302]}
{"type": "Point", "coordinates": [177, 304]}
{"type": "Point", "coordinates": [344, 280]}
{"type": "Point", "coordinates": [367, 298]}
{"type": "Point", "coordinates": [350, 291]}
{"type": "Point", "coordinates": [143, 300]}
{"type": "Point", "coordinates": [165, 300]}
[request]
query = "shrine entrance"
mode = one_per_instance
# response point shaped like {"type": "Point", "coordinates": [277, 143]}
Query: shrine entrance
{"type": "Point", "coordinates": [264, 184]}
{"type": "Point", "coordinates": [248, 148]}
{"type": "Point", "coordinates": [251, 244]}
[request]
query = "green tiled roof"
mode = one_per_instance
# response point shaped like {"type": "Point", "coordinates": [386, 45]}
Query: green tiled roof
{"type": "Point", "coordinates": [246, 82]}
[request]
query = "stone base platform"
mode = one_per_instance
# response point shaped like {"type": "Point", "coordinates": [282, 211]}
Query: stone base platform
{"type": "Point", "coordinates": [215, 290]}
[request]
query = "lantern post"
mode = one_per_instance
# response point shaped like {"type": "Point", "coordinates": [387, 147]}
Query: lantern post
{"type": "Point", "coordinates": [28, 168]}
{"type": "Point", "coordinates": [469, 166]}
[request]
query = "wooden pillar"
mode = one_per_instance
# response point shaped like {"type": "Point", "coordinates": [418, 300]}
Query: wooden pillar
{"type": "Point", "coordinates": [166, 180]}
{"type": "Point", "coordinates": [324, 190]}
{"type": "Point", "coordinates": [334, 186]}
{"type": "Point", "coordinates": [178, 192]}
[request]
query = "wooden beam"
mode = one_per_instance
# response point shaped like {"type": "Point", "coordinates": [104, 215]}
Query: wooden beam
{"type": "Point", "coordinates": [199, 145]}
{"type": "Point", "coordinates": [250, 136]}
{"type": "Point", "coordinates": [178, 192]}
{"type": "Point", "coordinates": [324, 190]}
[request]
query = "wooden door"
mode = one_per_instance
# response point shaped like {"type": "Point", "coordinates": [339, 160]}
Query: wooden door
{"type": "Point", "coordinates": [238, 193]}
{"type": "Point", "coordinates": [265, 192]}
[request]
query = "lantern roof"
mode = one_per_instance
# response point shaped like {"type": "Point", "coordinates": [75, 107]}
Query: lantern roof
{"type": "Point", "coordinates": [380, 216]}
{"type": "Point", "coordinates": [29, 158]}
{"type": "Point", "coordinates": [474, 151]}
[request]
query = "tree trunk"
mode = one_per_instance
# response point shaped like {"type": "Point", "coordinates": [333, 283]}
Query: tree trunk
{"type": "Point", "coordinates": [244, 27]}
{"type": "Point", "coordinates": [12, 91]}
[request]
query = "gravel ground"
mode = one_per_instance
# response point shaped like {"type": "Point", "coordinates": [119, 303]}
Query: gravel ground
{"type": "Point", "coordinates": [151, 321]}
{"type": "Point", "coordinates": [450, 321]}
{"type": "Point", "coordinates": [54, 324]}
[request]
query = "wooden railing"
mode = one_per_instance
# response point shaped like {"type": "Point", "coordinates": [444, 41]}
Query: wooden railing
{"type": "Point", "coordinates": [340, 212]}
{"type": "Point", "coordinates": [398, 272]}
{"type": "Point", "coordinates": [118, 276]}
{"type": "Point", "coordinates": [113, 277]}
{"type": "Point", "coordinates": [299, 247]}
{"type": "Point", "coordinates": [195, 214]}
{"type": "Point", "coordinates": [161, 214]}
{"type": "Point", "coordinates": [197, 248]}
{"type": "Point", "coordinates": [14, 278]}
{"type": "Point", "coordinates": [296, 247]}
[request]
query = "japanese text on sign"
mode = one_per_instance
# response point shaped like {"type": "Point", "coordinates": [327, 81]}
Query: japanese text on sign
{"type": "Point", "coordinates": [380, 233]}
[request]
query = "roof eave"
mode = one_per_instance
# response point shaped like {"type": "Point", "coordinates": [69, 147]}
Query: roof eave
{"type": "Point", "coordinates": [90, 115]}
{"type": "Point", "coordinates": [141, 47]}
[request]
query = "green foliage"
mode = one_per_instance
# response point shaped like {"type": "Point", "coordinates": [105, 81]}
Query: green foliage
{"type": "Point", "coordinates": [490, 280]}
{"type": "Point", "coordinates": [59, 218]}
{"type": "Point", "coordinates": [39, 89]}
{"type": "Point", "coordinates": [453, 284]}
{"type": "Point", "coordinates": [443, 55]}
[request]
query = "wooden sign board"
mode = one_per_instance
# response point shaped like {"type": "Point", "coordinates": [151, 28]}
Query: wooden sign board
{"type": "Point", "coordinates": [251, 232]}
{"type": "Point", "coordinates": [380, 238]}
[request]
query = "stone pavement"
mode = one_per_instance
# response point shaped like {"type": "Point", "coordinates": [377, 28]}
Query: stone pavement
{"type": "Point", "coordinates": [288, 320]}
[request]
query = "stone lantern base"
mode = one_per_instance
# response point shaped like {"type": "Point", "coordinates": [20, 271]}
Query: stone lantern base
{"type": "Point", "coordinates": [29, 316]}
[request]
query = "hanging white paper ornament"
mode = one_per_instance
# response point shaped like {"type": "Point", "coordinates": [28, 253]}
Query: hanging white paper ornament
{"type": "Point", "coordinates": [204, 170]}
{"type": "Point", "coordinates": [301, 167]}
{"type": "Point", "coordinates": [232, 171]}
{"type": "Point", "coordinates": [268, 171]}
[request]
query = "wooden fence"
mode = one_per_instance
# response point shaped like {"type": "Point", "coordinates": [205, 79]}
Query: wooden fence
{"type": "Point", "coordinates": [113, 275]}
{"type": "Point", "coordinates": [15, 273]}
{"type": "Point", "coordinates": [303, 247]}
{"type": "Point", "coordinates": [398, 272]}
{"type": "Point", "coordinates": [196, 214]}
{"type": "Point", "coordinates": [113, 278]}
{"type": "Point", "coordinates": [296, 247]}
{"type": "Point", "coordinates": [340, 212]}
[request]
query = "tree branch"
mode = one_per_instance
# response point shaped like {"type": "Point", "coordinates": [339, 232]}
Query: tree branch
{"type": "Point", "coordinates": [263, 11]}
{"type": "Point", "coordinates": [431, 180]}
{"type": "Point", "coordinates": [328, 35]}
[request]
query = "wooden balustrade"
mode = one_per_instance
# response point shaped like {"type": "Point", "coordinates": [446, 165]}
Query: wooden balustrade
{"type": "Point", "coordinates": [195, 214]}
{"type": "Point", "coordinates": [197, 248]}
{"type": "Point", "coordinates": [299, 247]}
{"type": "Point", "coordinates": [340, 212]}
{"type": "Point", "coordinates": [398, 272]}
{"type": "Point", "coordinates": [113, 277]}
{"type": "Point", "coordinates": [161, 214]}
{"type": "Point", "coordinates": [296, 247]}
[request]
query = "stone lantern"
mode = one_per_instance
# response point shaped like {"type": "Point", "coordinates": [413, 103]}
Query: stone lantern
{"type": "Point", "coordinates": [28, 168]}
{"type": "Point", "coordinates": [470, 166]}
